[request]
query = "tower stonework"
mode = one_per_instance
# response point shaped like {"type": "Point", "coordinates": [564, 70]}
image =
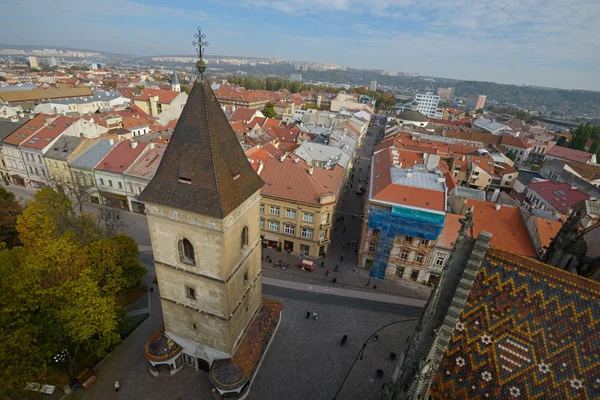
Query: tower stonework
{"type": "Point", "coordinates": [203, 210]}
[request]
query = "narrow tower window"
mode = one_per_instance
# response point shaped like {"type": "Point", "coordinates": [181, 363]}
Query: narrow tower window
{"type": "Point", "coordinates": [244, 237]}
{"type": "Point", "coordinates": [186, 252]}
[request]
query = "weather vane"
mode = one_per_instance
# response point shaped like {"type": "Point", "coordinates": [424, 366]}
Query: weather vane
{"type": "Point", "coordinates": [199, 43]}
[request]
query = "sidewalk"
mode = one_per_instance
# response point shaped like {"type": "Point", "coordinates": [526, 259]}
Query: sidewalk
{"type": "Point", "coordinates": [336, 291]}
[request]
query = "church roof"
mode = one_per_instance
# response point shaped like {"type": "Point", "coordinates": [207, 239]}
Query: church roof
{"type": "Point", "coordinates": [204, 169]}
{"type": "Point", "coordinates": [528, 330]}
{"type": "Point", "coordinates": [175, 80]}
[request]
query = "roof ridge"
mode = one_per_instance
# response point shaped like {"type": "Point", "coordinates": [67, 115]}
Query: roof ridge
{"type": "Point", "coordinates": [212, 154]}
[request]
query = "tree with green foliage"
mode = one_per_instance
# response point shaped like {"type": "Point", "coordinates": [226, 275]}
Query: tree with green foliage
{"type": "Point", "coordinates": [479, 111]}
{"type": "Point", "coordinates": [562, 141]}
{"type": "Point", "coordinates": [185, 90]}
{"type": "Point", "coordinates": [581, 135]}
{"type": "Point", "coordinates": [10, 210]}
{"type": "Point", "coordinates": [511, 154]}
{"type": "Point", "coordinates": [59, 294]}
{"type": "Point", "coordinates": [269, 111]}
{"type": "Point", "coordinates": [310, 106]}
{"type": "Point", "coordinates": [2, 79]}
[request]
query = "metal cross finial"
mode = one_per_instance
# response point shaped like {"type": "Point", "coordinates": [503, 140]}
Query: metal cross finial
{"type": "Point", "coordinates": [199, 43]}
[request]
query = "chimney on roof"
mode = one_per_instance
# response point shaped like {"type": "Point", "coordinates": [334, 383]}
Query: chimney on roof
{"type": "Point", "coordinates": [573, 187]}
{"type": "Point", "coordinates": [498, 207]}
{"type": "Point", "coordinates": [282, 158]}
{"type": "Point", "coordinates": [310, 170]}
{"type": "Point", "coordinates": [134, 144]}
{"type": "Point", "coordinates": [111, 142]}
{"type": "Point", "coordinates": [151, 145]}
{"type": "Point", "coordinates": [296, 160]}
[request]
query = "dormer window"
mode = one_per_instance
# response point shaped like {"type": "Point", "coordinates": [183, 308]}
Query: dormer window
{"type": "Point", "coordinates": [186, 252]}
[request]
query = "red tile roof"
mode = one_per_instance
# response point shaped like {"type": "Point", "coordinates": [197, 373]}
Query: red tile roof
{"type": "Point", "coordinates": [548, 230]}
{"type": "Point", "coordinates": [120, 157]}
{"type": "Point", "coordinates": [450, 232]}
{"type": "Point", "coordinates": [569, 154]}
{"type": "Point", "coordinates": [506, 225]}
{"type": "Point", "coordinates": [508, 140]}
{"type": "Point", "coordinates": [135, 123]}
{"type": "Point", "coordinates": [242, 114]}
{"type": "Point", "coordinates": [385, 190]}
{"type": "Point", "coordinates": [27, 130]}
{"type": "Point", "coordinates": [256, 156]}
{"type": "Point", "coordinates": [164, 96]}
{"type": "Point", "coordinates": [560, 195]}
{"type": "Point", "coordinates": [291, 180]}
{"type": "Point", "coordinates": [271, 123]}
{"type": "Point", "coordinates": [145, 166]}
{"type": "Point", "coordinates": [50, 132]}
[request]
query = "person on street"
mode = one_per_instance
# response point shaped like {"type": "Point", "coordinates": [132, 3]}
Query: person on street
{"type": "Point", "coordinates": [327, 273]}
{"type": "Point", "coordinates": [315, 315]}
{"type": "Point", "coordinates": [337, 267]}
{"type": "Point", "coordinates": [117, 386]}
{"type": "Point", "coordinates": [342, 257]}
{"type": "Point", "coordinates": [344, 339]}
{"type": "Point", "coordinates": [307, 314]}
{"type": "Point", "coordinates": [322, 264]}
{"type": "Point", "coordinates": [376, 337]}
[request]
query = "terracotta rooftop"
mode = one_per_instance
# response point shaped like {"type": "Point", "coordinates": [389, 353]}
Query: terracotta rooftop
{"type": "Point", "coordinates": [508, 140]}
{"type": "Point", "coordinates": [590, 172]}
{"type": "Point", "coordinates": [46, 135]}
{"type": "Point", "coordinates": [27, 130]}
{"type": "Point", "coordinates": [449, 234]}
{"type": "Point", "coordinates": [528, 330]}
{"type": "Point", "coordinates": [242, 114]}
{"type": "Point", "coordinates": [164, 96]}
{"type": "Point", "coordinates": [136, 123]}
{"type": "Point", "coordinates": [506, 225]}
{"type": "Point", "coordinates": [291, 180]}
{"type": "Point", "coordinates": [388, 189]}
{"type": "Point", "coordinates": [147, 164]}
{"type": "Point", "coordinates": [58, 91]}
{"type": "Point", "coordinates": [548, 230]}
{"type": "Point", "coordinates": [120, 157]}
{"type": "Point", "coordinates": [204, 169]}
{"type": "Point", "coordinates": [569, 154]}
{"type": "Point", "coordinates": [561, 196]}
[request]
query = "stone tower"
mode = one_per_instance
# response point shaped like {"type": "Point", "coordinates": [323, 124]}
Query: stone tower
{"type": "Point", "coordinates": [203, 216]}
{"type": "Point", "coordinates": [175, 86]}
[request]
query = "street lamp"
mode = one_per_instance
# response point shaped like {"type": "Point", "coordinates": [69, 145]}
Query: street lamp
{"type": "Point", "coordinates": [362, 350]}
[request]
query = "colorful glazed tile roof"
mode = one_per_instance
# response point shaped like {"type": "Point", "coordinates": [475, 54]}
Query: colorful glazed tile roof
{"type": "Point", "coordinates": [528, 330]}
{"type": "Point", "coordinates": [160, 347]}
{"type": "Point", "coordinates": [232, 373]}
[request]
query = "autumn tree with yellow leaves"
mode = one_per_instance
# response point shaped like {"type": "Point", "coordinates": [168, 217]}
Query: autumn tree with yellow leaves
{"type": "Point", "coordinates": [59, 293]}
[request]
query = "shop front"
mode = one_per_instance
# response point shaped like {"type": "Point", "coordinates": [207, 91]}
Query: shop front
{"type": "Point", "coordinates": [138, 207]}
{"type": "Point", "coordinates": [272, 241]}
{"type": "Point", "coordinates": [36, 184]}
{"type": "Point", "coordinates": [18, 180]}
{"type": "Point", "coordinates": [114, 200]}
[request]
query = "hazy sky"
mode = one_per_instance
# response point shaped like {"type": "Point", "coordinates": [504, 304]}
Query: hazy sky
{"type": "Point", "coordinates": [539, 42]}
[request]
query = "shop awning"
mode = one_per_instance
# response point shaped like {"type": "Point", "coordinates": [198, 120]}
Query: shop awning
{"type": "Point", "coordinates": [272, 238]}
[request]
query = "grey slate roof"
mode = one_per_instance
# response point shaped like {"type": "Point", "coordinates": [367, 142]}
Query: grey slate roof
{"type": "Point", "coordinates": [63, 147]}
{"type": "Point", "coordinates": [98, 95]}
{"type": "Point", "coordinates": [469, 193]}
{"type": "Point", "coordinates": [89, 158]}
{"type": "Point", "coordinates": [8, 127]}
{"type": "Point", "coordinates": [175, 79]}
{"type": "Point", "coordinates": [204, 169]}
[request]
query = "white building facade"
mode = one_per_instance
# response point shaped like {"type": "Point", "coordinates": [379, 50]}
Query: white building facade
{"type": "Point", "coordinates": [428, 105]}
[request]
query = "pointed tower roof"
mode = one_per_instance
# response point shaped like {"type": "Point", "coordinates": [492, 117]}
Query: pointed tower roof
{"type": "Point", "coordinates": [204, 169]}
{"type": "Point", "coordinates": [175, 79]}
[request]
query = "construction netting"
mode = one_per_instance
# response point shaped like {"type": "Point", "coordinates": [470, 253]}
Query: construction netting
{"type": "Point", "coordinates": [400, 221]}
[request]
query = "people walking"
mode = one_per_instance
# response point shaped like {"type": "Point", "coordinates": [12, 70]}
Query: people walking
{"type": "Point", "coordinates": [376, 337]}
{"type": "Point", "coordinates": [327, 273]}
{"type": "Point", "coordinates": [322, 264]}
{"type": "Point", "coordinates": [307, 314]}
{"type": "Point", "coordinates": [337, 267]}
{"type": "Point", "coordinates": [315, 315]}
{"type": "Point", "coordinates": [117, 386]}
{"type": "Point", "coordinates": [344, 339]}
{"type": "Point", "coordinates": [342, 257]}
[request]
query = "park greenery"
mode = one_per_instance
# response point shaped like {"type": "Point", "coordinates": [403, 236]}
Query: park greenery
{"type": "Point", "coordinates": [582, 135]}
{"type": "Point", "coordinates": [269, 111]}
{"type": "Point", "coordinates": [61, 283]}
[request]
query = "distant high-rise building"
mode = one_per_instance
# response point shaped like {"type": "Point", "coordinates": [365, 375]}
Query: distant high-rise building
{"type": "Point", "coordinates": [304, 67]}
{"type": "Point", "coordinates": [446, 93]}
{"type": "Point", "coordinates": [54, 61]}
{"type": "Point", "coordinates": [373, 86]}
{"type": "Point", "coordinates": [296, 77]}
{"type": "Point", "coordinates": [96, 66]}
{"type": "Point", "coordinates": [474, 103]}
{"type": "Point", "coordinates": [34, 62]}
{"type": "Point", "coordinates": [428, 104]}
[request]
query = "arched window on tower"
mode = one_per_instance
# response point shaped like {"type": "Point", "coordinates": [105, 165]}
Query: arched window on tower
{"type": "Point", "coordinates": [244, 237]}
{"type": "Point", "coordinates": [186, 252]}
